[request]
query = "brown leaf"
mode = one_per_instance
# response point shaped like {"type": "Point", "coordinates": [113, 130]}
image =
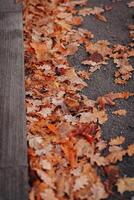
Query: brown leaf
{"type": "Point", "coordinates": [98, 191]}
{"type": "Point", "coordinates": [98, 159]}
{"type": "Point", "coordinates": [117, 141]}
{"type": "Point", "coordinates": [130, 150]}
{"type": "Point", "coordinates": [40, 50]}
{"type": "Point", "coordinates": [97, 11]}
{"type": "Point", "coordinates": [124, 71]}
{"type": "Point", "coordinates": [101, 47]}
{"type": "Point", "coordinates": [108, 99]}
{"type": "Point", "coordinates": [96, 115]}
{"type": "Point", "coordinates": [96, 57]}
{"type": "Point", "coordinates": [131, 4]}
{"type": "Point", "coordinates": [80, 182]}
{"type": "Point", "coordinates": [121, 112]}
{"type": "Point", "coordinates": [48, 194]}
{"type": "Point", "coordinates": [86, 130]}
{"type": "Point", "coordinates": [115, 156]}
{"type": "Point", "coordinates": [69, 152]}
{"type": "Point", "coordinates": [125, 184]}
{"type": "Point", "coordinates": [112, 173]}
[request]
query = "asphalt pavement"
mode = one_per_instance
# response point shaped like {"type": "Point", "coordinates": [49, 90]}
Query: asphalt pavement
{"type": "Point", "coordinates": [102, 81]}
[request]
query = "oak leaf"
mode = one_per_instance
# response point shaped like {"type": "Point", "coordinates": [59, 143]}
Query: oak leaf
{"type": "Point", "coordinates": [96, 115]}
{"type": "Point", "coordinates": [48, 194]}
{"type": "Point", "coordinates": [130, 150]}
{"type": "Point", "coordinates": [121, 112]}
{"type": "Point", "coordinates": [117, 141]}
{"type": "Point", "coordinates": [125, 184]}
{"type": "Point", "coordinates": [69, 152]}
{"type": "Point", "coordinates": [108, 99]}
{"type": "Point", "coordinates": [116, 156]}
{"type": "Point", "coordinates": [98, 191]}
{"type": "Point", "coordinates": [80, 182]}
{"type": "Point", "coordinates": [45, 177]}
{"type": "Point", "coordinates": [40, 50]}
{"type": "Point", "coordinates": [45, 164]}
{"type": "Point", "coordinates": [98, 159]}
{"type": "Point", "coordinates": [131, 4]}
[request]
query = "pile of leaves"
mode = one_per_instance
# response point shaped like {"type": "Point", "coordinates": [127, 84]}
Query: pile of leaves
{"type": "Point", "coordinates": [65, 144]}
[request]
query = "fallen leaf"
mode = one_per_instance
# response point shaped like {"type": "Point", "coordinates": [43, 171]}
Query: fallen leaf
{"type": "Point", "coordinates": [86, 130]}
{"type": "Point", "coordinates": [115, 148]}
{"type": "Point", "coordinates": [98, 191]}
{"type": "Point", "coordinates": [97, 11]}
{"type": "Point", "coordinates": [45, 177]}
{"type": "Point", "coordinates": [80, 182]}
{"type": "Point", "coordinates": [121, 112]}
{"type": "Point", "coordinates": [69, 152]}
{"type": "Point", "coordinates": [48, 194]}
{"type": "Point", "coordinates": [108, 99]}
{"type": "Point", "coordinates": [98, 159]}
{"type": "Point", "coordinates": [117, 141]}
{"type": "Point", "coordinates": [100, 47]}
{"type": "Point", "coordinates": [40, 50]}
{"type": "Point", "coordinates": [52, 128]}
{"type": "Point", "coordinates": [124, 72]}
{"type": "Point", "coordinates": [32, 194]}
{"type": "Point", "coordinates": [45, 164]}
{"type": "Point", "coordinates": [131, 4]}
{"type": "Point", "coordinates": [83, 148]}
{"type": "Point", "coordinates": [35, 141]}
{"type": "Point", "coordinates": [130, 150]}
{"type": "Point", "coordinates": [125, 184]}
{"type": "Point", "coordinates": [115, 156]}
{"type": "Point", "coordinates": [112, 172]}
{"type": "Point", "coordinates": [96, 115]}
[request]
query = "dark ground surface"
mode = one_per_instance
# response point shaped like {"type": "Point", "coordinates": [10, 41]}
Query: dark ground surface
{"type": "Point", "coordinates": [102, 81]}
{"type": "Point", "coordinates": [13, 149]}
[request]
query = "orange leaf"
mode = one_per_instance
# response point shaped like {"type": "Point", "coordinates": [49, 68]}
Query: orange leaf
{"type": "Point", "coordinates": [42, 187]}
{"type": "Point", "coordinates": [69, 152]}
{"type": "Point", "coordinates": [52, 128]}
{"type": "Point", "coordinates": [40, 50]}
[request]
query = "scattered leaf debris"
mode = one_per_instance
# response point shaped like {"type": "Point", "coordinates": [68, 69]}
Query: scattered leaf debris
{"type": "Point", "coordinates": [65, 141]}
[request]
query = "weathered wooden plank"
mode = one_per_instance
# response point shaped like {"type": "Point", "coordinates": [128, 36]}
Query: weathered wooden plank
{"type": "Point", "coordinates": [13, 151]}
{"type": "Point", "coordinates": [13, 183]}
{"type": "Point", "coordinates": [10, 5]}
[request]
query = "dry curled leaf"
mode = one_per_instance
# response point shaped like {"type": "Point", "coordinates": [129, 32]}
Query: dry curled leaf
{"type": "Point", "coordinates": [117, 141]}
{"type": "Point", "coordinates": [86, 130]}
{"type": "Point", "coordinates": [108, 99]}
{"type": "Point", "coordinates": [125, 184]}
{"type": "Point", "coordinates": [116, 156]}
{"type": "Point", "coordinates": [40, 50]}
{"type": "Point", "coordinates": [83, 148]}
{"type": "Point", "coordinates": [112, 172]}
{"type": "Point", "coordinates": [124, 71]}
{"type": "Point", "coordinates": [45, 164]}
{"type": "Point", "coordinates": [98, 159]}
{"type": "Point", "coordinates": [97, 11]}
{"type": "Point", "coordinates": [98, 191]}
{"type": "Point", "coordinates": [130, 150]}
{"type": "Point", "coordinates": [70, 153]}
{"type": "Point", "coordinates": [121, 112]}
{"type": "Point", "coordinates": [80, 182]}
{"type": "Point", "coordinates": [131, 4]}
{"type": "Point", "coordinates": [96, 115]}
{"type": "Point", "coordinates": [48, 194]}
